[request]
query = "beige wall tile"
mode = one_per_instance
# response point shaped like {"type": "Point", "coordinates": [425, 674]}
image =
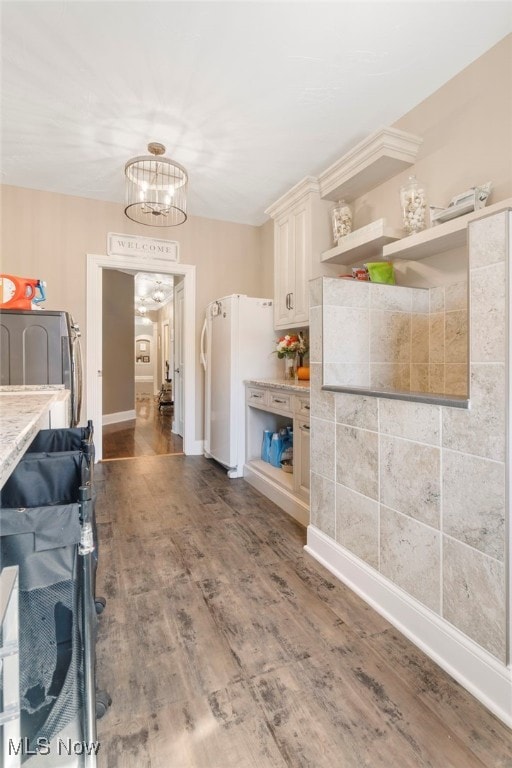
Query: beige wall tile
{"type": "Point", "coordinates": [410, 556]}
{"type": "Point", "coordinates": [474, 596]}
{"type": "Point", "coordinates": [357, 411]}
{"type": "Point", "coordinates": [323, 512]}
{"type": "Point", "coordinates": [456, 377]}
{"type": "Point", "coordinates": [436, 374]}
{"type": "Point", "coordinates": [456, 336]}
{"type": "Point", "coordinates": [357, 524]}
{"type": "Point", "coordinates": [420, 300]}
{"type": "Point", "coordinates": [481, 429]}
{"type": "Point", "coordinates": [390, 337]}
{"type": "Point", "coordinates": [357, 459]}
{"type": "Point", "coordinates": [420, 328]}
{"type": "Point", "coordinates": [321, 402]}
{"type": "Point", "coordinates": [456, 296]}
{"type": "Point", "coordinates": [391, 297]}
{"type": "Point", "coordinates": [419, 378]}
{"type": "Point", "coordinates": [346, 334]}
{"type": "Point", "coordinates": [323, 448]}
{"type": "Point", "coordinates": [436, 299]}
{"type": "Point", "coordinates": [347, 374]}
{"type": "Point", "coordinates": [413, 421]}
{"type": "Point", "coordinates": [410, 478]}
{"type": "Point", "coordinates": [391, 376]}
{"type": "Point", "coordinates": [474, 501]}
{"type": "Point", "coordinates": [315, 292]}
{"type": "Point", "coordinates": [487, 240]}
{"type": "Point", "coordinates": [346, 293]}
{"type": "Point", "coordinates": [488, 314]}
{"type": "Point", "coordinates": [315, 334]}
{"type": "Point", "coordinates": [436, 338]}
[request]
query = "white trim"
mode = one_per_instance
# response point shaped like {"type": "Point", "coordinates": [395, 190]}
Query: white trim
{"type": "Point", "coordinates": [144, 378]}
{"type": "Point", "coordinates": [95, 266]}
{"type": "Point", "coordinates": [475, 669]}
{"type": "Point", "coordinates": [114, 418]}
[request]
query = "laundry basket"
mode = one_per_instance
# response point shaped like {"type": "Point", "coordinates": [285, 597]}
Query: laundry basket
{"type": "Point", "coordinates": [46, 513]}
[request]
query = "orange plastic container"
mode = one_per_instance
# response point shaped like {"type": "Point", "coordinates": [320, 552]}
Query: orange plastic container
{"type": "Point", "coordinates": [20, 292]}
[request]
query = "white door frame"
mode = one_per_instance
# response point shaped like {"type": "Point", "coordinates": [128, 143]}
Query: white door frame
{"type": "Point", "coordinates": [95, 266]}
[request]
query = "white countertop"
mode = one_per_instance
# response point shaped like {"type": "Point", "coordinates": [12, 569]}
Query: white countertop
{"type": "Point", "coordinates": [299, 387]}
{"type": "Point", "coordinates": [23, 412]}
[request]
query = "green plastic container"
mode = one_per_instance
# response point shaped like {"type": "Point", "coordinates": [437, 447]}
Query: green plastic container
{"type": "Point", "coordinates": [381, 272]}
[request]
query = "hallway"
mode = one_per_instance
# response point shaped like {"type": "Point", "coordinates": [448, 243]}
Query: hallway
{"type": "Point", "coordinates": [148, 435]}
{"type": "Point", "coordinates": [224, 645]}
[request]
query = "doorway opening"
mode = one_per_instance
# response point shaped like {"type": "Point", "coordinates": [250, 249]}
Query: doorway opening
{"type": "Point", "coordinates": [139, 371]}
{"type": "Point", "coordinates": [184, 374]}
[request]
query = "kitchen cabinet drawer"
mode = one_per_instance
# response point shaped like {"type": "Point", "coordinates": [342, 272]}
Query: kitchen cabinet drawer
{"type": "Point", "coordinates": [301, 406]}
{"type": "Point", "coordinates": [282, 402]}
{"type": "Point", "coordinates": [257, 396]}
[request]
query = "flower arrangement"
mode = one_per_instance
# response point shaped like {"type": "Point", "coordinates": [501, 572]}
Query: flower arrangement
{"type": "Point", "coordinates": [291, 345]}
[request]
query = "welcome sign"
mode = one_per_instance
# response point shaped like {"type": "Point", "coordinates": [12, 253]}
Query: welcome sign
{"type": "Point", "coordinates": [142, 247]}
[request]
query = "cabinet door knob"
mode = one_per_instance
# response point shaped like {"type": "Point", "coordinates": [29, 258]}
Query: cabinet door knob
{"type": "Point", "coordinates": [305, 426]}
{"type": "Point", "coordinates": [291, 301]}
{"type": "Point", "coordinates": [277, 400]}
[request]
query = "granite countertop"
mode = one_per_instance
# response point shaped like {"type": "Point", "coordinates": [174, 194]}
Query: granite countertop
{"type": "Point", "coordinates": [299, 387]}
{"type": "Point", "coordinates": [23, 412]}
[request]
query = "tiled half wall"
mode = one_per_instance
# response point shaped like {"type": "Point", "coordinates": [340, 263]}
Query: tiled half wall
{"type": "Point", "coordinates": [418, 491]}
{"type": "Point", "coordinates": [394, 337]}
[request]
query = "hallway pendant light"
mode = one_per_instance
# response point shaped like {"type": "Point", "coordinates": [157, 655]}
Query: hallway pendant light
{"type": "Point", "coordinates": [156, 189]}
{"type": "Point", "coordinates": [158, 295]}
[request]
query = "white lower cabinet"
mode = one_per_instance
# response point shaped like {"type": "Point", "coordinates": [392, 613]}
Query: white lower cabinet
{"type": "Point", "coordinates": [272, 408]}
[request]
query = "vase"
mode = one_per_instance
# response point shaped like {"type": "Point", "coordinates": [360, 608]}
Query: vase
{"type": "Point", "coordinates": [341, 217]}
{"type": "Point", "coordinates": [413, 201]}
{"type": "Point", "coordinates": [290, 368]}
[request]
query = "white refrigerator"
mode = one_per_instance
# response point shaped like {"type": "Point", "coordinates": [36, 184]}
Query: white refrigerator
{"type": "Point", "coordinates": [237, 343]}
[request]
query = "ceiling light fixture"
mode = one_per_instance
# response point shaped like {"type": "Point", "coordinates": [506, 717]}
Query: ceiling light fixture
{"type": "Point", "coordinates": [156, 189]}
{"type": "Point", "coordinates": [158, 295]}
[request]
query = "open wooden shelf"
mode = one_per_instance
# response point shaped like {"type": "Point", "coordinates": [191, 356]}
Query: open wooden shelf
{"type": "Point", "coordinates": [274, 473]}
{"type": "Point", "coordinates": [373, 161]}
{"type": "Point", "coordinates": [362, 244]}
{"type": "Point", "coordinates": [440, 238]}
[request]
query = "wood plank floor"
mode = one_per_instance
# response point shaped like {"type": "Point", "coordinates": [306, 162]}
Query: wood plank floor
{"type": "Point", "coordinates": [224, 645]}
{"type": "Point", "coordinates": [149, 434]}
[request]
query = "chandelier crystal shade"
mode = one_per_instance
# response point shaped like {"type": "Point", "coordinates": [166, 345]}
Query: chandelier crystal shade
{"type": "Point", "coordinates": [156, 189]}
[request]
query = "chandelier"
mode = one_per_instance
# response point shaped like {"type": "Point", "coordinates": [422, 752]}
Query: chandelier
{"type": "Point", "coordinates": [156, 189]}
{"type": "Point", "coordinates": [158, 295]}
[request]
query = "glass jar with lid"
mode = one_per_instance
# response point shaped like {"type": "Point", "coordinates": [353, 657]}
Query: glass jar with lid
{"type": "Point", "coordinates": [413, 202]}
{"type": "Point", "coordinates": [341, 215]}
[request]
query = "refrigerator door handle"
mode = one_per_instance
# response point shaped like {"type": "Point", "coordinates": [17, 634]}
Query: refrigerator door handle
{"type": "Point", "coordinates": [203, 345]}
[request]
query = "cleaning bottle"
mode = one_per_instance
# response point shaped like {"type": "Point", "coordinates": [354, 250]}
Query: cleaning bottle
{"type": "Point", "coordinates": [20, 292]}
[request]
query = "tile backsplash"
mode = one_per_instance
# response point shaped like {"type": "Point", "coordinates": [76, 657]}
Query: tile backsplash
{"type": "Point", "coordinates": [394, 337]}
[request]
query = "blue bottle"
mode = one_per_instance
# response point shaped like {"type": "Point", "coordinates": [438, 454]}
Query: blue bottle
{"type": "Point", "coordinates": [265, 445]}
{"type": "Point", "coordinates": [276, 449]}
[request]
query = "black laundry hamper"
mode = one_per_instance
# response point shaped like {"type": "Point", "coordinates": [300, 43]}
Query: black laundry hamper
{"type": "Point", "coordinates": [47, 528]}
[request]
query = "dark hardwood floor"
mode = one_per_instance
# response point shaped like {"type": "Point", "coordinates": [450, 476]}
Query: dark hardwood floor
{"type": "Point", "coordinates": [148, 435]}
{"type": "Point", "coordinates": [224, 645]}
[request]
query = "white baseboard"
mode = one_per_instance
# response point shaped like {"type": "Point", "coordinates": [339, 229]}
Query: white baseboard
{"type": "Point", "coordinates": [196, 448]}
{"type": "Point", "coordinates": [473, 667]}
{"type": "Point", "coordinates": [114, 418]}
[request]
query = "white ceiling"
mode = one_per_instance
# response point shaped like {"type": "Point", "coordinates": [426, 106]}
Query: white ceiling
{"type": "Point", "coordinates": [249, 96]}
{"type": "Point", "coordinates": [145, 285]}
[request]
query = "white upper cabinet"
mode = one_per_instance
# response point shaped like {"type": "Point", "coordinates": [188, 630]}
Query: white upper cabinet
{"type": "Point", "coordinates": [301, 232]}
